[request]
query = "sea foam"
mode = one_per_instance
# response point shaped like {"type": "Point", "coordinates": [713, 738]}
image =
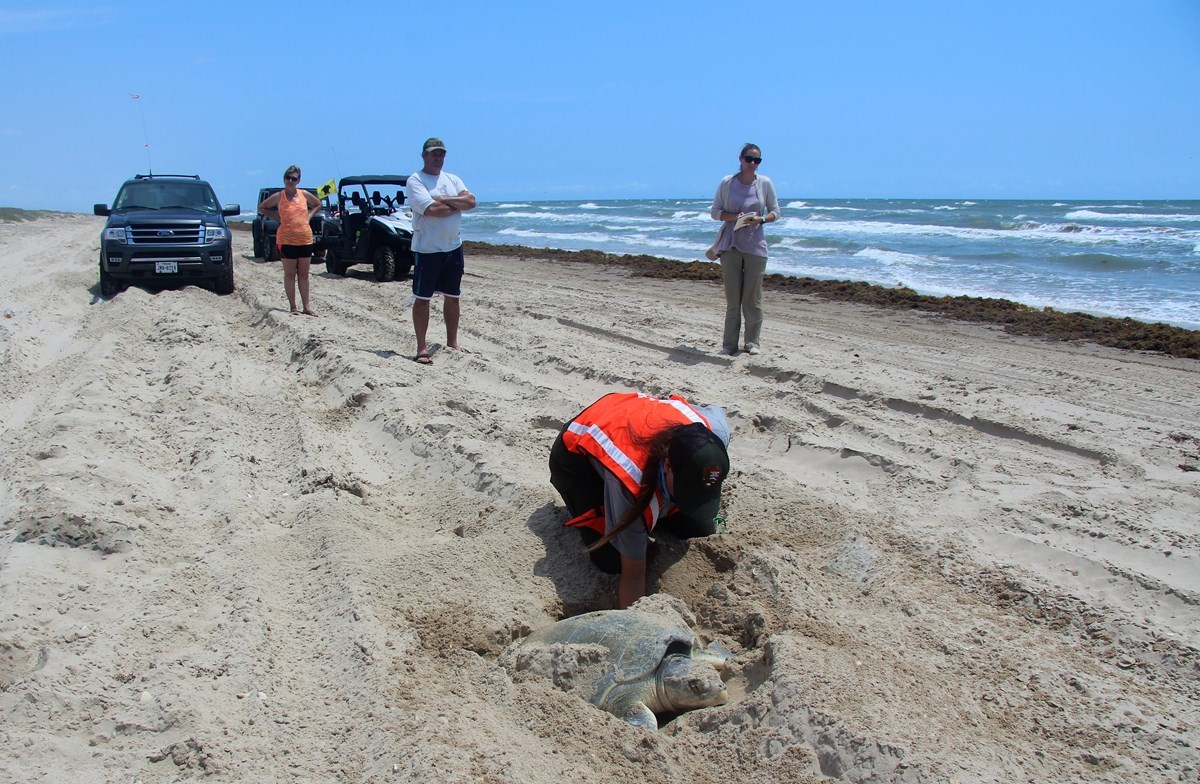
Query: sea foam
{"type": "Point", "coordinates": [1132, 216]}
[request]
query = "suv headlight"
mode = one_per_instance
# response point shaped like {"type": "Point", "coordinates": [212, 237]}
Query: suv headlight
{"type": "Point", "coordinates": [118, 234]}
{"type": "Point", "coordinates": [213, 233]}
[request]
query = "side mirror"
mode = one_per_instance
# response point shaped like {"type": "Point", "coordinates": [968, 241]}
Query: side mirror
{"type": "Point", "coordinates": [101, 209]}
{"type": "Point", "coordinates": [230, 210]}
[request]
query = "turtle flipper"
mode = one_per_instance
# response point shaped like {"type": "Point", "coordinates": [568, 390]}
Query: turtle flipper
{"type": "Point", "coordinates": [626, 701]}
{"type": "Point", "coordinates": [639, 715]}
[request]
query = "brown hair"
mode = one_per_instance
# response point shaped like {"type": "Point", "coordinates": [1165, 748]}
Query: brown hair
{"type": "Point", "coordinates": [658, 445]}
{"type": "Point", "coordinates": [293, 169]}
{"type": "Point", "coordinates": [749, 146]}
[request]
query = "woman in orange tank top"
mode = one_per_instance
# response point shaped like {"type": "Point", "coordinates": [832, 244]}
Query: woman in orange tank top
{"type": "Point", "coordinates": [295, 209]}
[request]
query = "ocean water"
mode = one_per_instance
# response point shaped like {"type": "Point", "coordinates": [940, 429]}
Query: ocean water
{"type": "Point", "coordinates": [1139, 259]}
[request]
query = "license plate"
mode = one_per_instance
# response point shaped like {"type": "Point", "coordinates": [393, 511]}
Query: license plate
{"type": "Point", "coordinates": [166, 266]}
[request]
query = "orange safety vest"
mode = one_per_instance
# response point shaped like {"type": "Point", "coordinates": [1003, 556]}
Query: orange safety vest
{"type": "Point", "coordinates": [613, 430]}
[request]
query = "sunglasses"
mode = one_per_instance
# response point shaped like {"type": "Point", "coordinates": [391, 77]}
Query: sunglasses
{"type": "Point", "coordinates": [751, 159]}
{"type": "Point", "coordinates": [290, 178]}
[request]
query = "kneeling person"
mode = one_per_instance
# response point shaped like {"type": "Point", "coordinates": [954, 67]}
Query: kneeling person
{"type": "Point", "coordinates": [629, 461]}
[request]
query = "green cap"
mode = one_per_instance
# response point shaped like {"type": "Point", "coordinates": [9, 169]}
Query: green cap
{"type": "Point", "coordinates": [433, 143]}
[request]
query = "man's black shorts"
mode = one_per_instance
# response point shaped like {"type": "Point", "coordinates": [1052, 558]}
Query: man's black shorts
{"type": "Point", "coordinates": [438, 273]}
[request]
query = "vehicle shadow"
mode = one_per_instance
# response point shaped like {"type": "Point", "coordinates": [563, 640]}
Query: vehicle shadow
{"type": "Point", "coordinates": [149, 288]}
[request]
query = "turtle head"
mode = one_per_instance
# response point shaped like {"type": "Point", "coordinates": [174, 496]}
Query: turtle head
{"type": "Point", "coordinates": [685, 683]}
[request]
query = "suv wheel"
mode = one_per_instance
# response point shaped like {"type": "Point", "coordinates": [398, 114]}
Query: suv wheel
{"type": "Point", "coordinates": [109, 286]}
{"type": "Point", "coordinates": [384, 259]}
{"type": "Point", "coordinates": [270, 249]}
{"type": "Point", "coordinates": [224, 284]}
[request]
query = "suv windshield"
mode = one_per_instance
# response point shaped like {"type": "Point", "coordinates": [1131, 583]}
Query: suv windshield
{"type": "Point", "coordinates": [164, 195]}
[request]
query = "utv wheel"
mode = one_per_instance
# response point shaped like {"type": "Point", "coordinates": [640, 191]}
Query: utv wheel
{"type": "Point", "coordinates": [224, 284]}
{"type": "Point", "coordinates": [384, 259]}
{"type": "Point", "coordinates": [109, 286]}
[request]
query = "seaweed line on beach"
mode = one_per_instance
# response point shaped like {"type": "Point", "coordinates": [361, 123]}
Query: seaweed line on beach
{"type": "Point", "coordinates": [1015, 318]}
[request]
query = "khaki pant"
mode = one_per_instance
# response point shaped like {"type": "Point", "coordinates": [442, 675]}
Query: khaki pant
{"type": "Point", "coordinates": [743, 276]}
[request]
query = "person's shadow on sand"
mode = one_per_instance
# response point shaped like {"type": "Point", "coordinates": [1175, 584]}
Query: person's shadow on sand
{"type": "Point", "coordinates": [580, 586]}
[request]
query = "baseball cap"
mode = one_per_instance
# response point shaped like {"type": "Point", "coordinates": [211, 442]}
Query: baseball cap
{"type": "Point", "coordinates": [433, 143]}
{"type": "Point", "coordinates": [700, 464]}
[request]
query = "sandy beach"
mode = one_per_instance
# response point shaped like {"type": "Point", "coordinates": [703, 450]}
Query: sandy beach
{"type": "Point", "coordinates": [244, 546]}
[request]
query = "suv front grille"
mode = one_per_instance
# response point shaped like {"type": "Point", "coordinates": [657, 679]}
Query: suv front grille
{"type": "Point", "coordinates": [166, 234]}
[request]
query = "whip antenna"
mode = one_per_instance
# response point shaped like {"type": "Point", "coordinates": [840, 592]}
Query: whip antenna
{"type": "Point", "coordinates": [145, 133]}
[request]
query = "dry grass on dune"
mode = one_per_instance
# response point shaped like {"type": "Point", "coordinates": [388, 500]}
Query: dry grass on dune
{"type": "Point", "coordinates": [17, 215]}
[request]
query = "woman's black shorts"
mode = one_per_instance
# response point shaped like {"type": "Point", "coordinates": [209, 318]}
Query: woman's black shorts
{"type": "Point", "coordinates": [296, 251]}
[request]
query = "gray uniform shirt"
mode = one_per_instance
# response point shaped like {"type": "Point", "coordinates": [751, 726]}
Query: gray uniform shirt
{"type": "Point", "coordinates": [633, 541]}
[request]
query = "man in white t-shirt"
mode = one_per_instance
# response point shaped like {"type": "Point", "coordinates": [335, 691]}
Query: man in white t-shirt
{"type": "Point", "coordinates": [438, 199]}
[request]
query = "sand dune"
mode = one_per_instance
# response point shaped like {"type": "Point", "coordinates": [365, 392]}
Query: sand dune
{"type": "Point", "coordinates": [240, 545]}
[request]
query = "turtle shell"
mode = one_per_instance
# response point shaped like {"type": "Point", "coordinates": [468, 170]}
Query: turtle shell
{"type": "Point", "coordinates": [637, 641]}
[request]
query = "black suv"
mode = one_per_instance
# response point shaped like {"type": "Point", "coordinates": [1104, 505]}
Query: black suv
{"type": "Point", "coordinates": [264, 227]}
{"type": "Point", "coordinates": [164, 228]}
{"type": "Point", "coordinates": [371, 226]}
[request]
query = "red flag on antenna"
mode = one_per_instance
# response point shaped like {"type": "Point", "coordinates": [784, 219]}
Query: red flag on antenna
{"type": "Point", "coordinates": [134, 96]}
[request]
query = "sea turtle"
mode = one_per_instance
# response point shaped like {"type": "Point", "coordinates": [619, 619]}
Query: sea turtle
{"type": "Point", "coordinates": [646, 660]}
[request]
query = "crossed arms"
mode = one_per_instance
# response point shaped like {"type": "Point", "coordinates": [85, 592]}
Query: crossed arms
{"type": "Point", "coordinates": [448, 205]}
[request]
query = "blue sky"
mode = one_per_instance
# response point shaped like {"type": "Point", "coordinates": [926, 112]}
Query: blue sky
{"type": "Point", "coordinates": [595, 100]}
